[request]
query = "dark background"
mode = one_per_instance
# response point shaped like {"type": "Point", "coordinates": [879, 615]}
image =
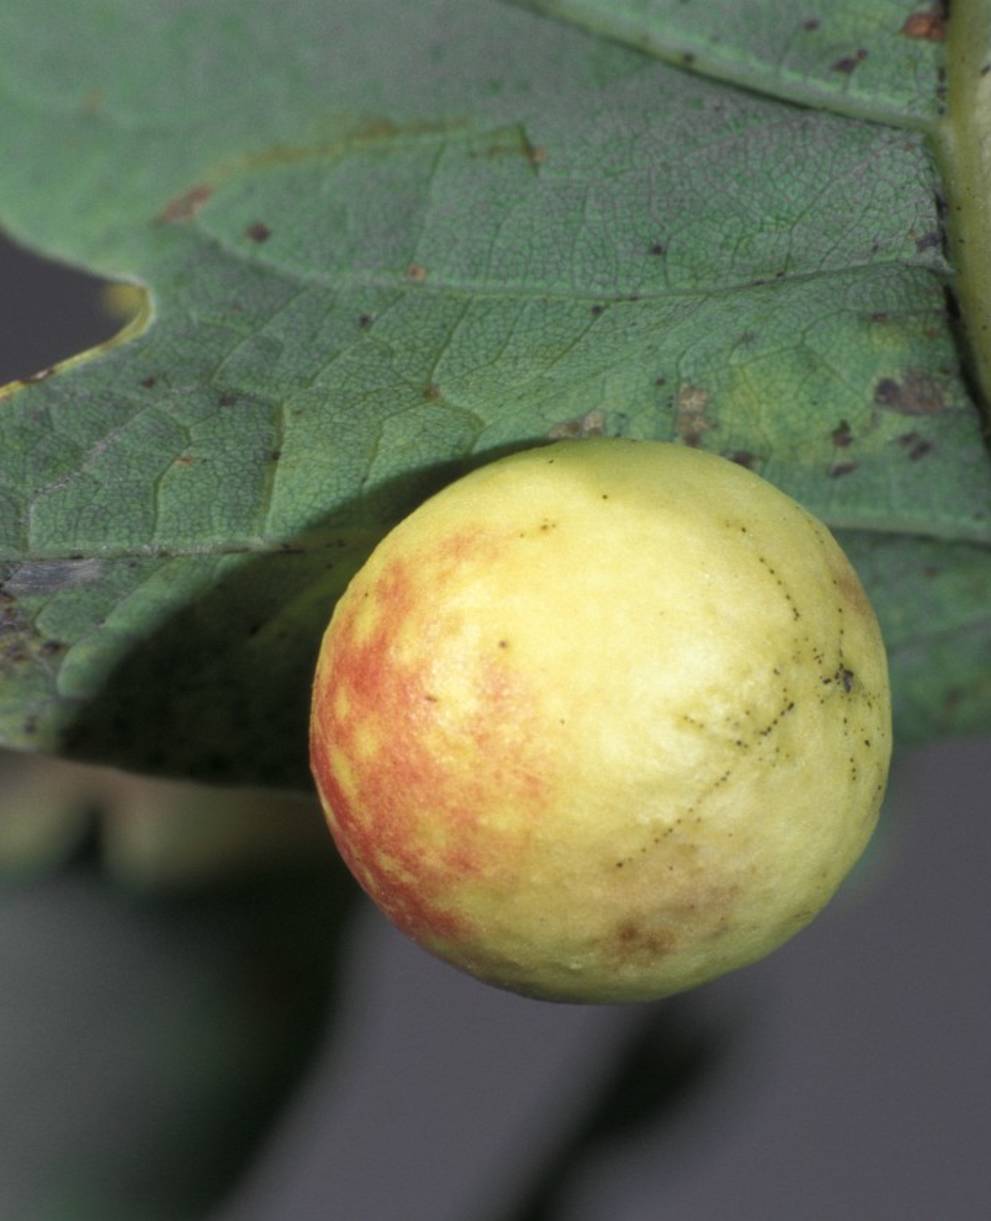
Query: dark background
{"type": "Point", "coordinates": [844, 1077]}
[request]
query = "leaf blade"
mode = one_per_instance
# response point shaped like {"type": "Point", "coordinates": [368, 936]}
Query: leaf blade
{"type": "Point", "coordinates": [365, 281]}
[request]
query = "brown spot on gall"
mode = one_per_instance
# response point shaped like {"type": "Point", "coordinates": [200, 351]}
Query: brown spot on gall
{"type": "Point", "coordinates": [634, 941]}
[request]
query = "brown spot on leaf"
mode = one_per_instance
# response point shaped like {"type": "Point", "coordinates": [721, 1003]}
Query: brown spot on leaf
{"type": "Point", "coordinates": [431, 392]}
{"type": "Point", "coordinates": [148, 382]}
{"type": "Point", "coordinates": [377, 127]}
{"type": "Point", "coordinates": [810, 24]}
{"type": "Point", "coordinates": [690, 403]}
{"type": "Point", "coordinates": [920, 449]}
{"type": "Point", "coordinates": [842, 435]}
{"type": "Point", "coordinates": [658, 249]}
{"type": "Point", "coordinates": [916, 394]}
{"type": "Point", "coordinates": [930, 25]}
{"type": "Point", "coordinates": [416, 273]}
{"type": "Point", "coordinates": [535, 154]}
{"type": "Point", "coordinates": [838, 469]}
{"type": "Point", "coordinates": [185, 206]}
{"type": "Point", "coordinates": [365, 321]}
{"type": "Point", "coordinates": [258, 232]}
{"type": "Point", "coordinates": [850, 62]}
{"type": "Point", "coordinates": [743, 457]}
{"type": "Point", "coordinates": [591, 424]}
{"type": "Point", "coordinates": [928, 241]}
{"type": "Point", "coordinates": [227, 399]}
{"type": "Point", "coordinates": [92, 101]}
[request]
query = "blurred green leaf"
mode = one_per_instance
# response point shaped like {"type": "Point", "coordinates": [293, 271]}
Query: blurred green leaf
{"type": "Point", "coordinates": [147, 1045]}
{"type": "Point", "coordinates": [154, 835]}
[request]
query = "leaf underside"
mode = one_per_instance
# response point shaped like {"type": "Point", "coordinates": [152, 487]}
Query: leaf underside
{"type": "Point", "coordinates": [386, 242]}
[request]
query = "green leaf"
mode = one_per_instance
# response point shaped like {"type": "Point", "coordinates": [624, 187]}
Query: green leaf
{"type": "Point", "coordinates": [933, 600]}
{"type": "Point", "coordinates": [878, 59]}
{"type": "Point", "coordinates": [377, 260]}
